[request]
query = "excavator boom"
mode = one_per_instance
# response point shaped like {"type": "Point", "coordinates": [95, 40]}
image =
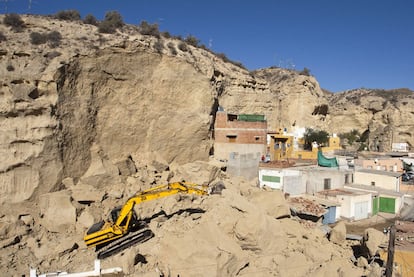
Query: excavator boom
{"type": "Point", "coordinates": [124, 229]}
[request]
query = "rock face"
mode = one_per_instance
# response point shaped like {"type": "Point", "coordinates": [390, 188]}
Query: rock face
{"type": "Point", "coordinates": [111, 98]}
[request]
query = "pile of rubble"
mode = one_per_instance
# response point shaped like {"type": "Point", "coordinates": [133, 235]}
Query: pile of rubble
{"type": "Point", "coordinates": [245, 231]}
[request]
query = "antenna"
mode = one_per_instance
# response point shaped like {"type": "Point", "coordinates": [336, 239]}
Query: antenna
{"type": "Point", "coordinates": [30, 6]}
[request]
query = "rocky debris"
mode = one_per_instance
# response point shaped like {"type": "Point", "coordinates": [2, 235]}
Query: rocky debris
{"type": "Point", "coordinates": [338, 233]}
{"type": "Point", "coordinates": [301, 205]}
{"type": "Point", "coordinates": [57, 212]}
{"type": "Point", "coordinates": [272, 202]}
{"type": "Point", "coordinates": [372, 240]}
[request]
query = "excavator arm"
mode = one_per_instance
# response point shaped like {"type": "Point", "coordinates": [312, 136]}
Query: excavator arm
{"type": "Point", "coordinates": [124, 221]}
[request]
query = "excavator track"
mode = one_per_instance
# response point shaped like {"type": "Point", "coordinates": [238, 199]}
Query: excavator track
{"type": "Point", "coordinates": [124, 242]}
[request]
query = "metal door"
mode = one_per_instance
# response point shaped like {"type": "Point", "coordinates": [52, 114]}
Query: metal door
{"type": "Point", "coordinates": [361, 210]}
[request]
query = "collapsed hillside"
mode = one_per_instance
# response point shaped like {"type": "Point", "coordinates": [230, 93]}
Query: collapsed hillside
{"type": "Point", "coordinates": [85, 117]}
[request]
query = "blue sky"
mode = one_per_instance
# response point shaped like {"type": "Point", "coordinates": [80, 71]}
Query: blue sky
{"type": "Point", "coordinates": [346, 44]}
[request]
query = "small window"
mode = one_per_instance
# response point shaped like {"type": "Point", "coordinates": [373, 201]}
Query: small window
{"type": "Point", "coordinates": [327, 183]}
{"type": "Point", "coordinates": [231, 138]}
{"type": "Point", "coordinates": [373, 184]}
{"type": "Point", "coordinates": [256, 138]}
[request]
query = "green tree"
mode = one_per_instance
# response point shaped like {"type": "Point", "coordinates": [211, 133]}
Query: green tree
{"type": "Point", "coordinates": [319, 136]}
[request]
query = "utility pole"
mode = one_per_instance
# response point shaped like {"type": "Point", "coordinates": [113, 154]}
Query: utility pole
{"type": "Point", "coordinates": [390, 254]}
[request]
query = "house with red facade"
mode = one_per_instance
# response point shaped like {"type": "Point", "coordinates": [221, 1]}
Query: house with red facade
{"type": "Point", "coordinates": [239, 134]}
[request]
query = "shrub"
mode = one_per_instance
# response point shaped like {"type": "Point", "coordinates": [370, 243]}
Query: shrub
{"type": "Point", "coordinates": [2, 37]}
{"type": "Point", "coordinates": [305, 72]}
{"type": "Point", "coordinates": [149, 29]}
{"type": "Point", "coordinates": [10, 67]}
{"type": "Point", "coordinates": [13, 20]}
{"type": "Point", "coordinates": [114, 18]}
{"type": "Point", "coordinates": [166, 34]}
{"type": "Point", "coordinates": [106, 28]}
{"type": "Point", "coordinates": [90, 19]}
{"type": "Point", "coordinates": [191, 40]}
{"type": "Point", "coordinates": [37, 38]}
{"type": "Point", "coordinates": [70, 15]}
{"type": "Point", "coordinates": [54, 38]}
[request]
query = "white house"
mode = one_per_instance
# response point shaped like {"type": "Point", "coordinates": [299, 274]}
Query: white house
{"type": "Point", "coordinates": [354, 204]}
{"type": "Point", "coordinates": [378, 178]}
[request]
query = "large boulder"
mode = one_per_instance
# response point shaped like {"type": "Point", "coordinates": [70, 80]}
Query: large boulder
{"type": "Point", "coordinates": [58, 213]}
{"type": "Point", "coordinates": [272, 202]}
{"type": "Point", "coordinates": [338, 233]}
{"type": "Point", "coordinates": [372, 240]}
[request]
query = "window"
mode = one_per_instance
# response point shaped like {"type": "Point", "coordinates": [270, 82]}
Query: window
{"type": "Point", "coordinates": [372, 183]}
{"type": "Point", "coordinates": [346, 178]}
{"type": "Point", "coordinates": [231, 138]}
{"type": "Point", "coordinates": [273, 179]}
{"type": "Point", "coordinates": [327, 183]}
{"type": "Point", "coordinates": [256, 138]}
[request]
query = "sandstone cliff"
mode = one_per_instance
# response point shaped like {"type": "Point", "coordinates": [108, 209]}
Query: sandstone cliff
{"type": "Point", "coordinates": [118, 97]}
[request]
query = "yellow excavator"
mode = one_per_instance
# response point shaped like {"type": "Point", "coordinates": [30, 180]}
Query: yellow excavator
{"type": "Point", "coordinates": [123, 228]}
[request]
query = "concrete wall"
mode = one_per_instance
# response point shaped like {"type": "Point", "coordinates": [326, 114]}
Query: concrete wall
{"type": "Point", "coordinates": [391, 164]}
{"type": "Point", "coordinates": [245, 165]}
{"type": "Point", "coordinates": [314, 180]}
{"type": "Point", "coordinates": [290, 181]}
{"type": "Point", "coordinates": [377, 180]}
{"type": "Point", "coordinates": [222, 151]}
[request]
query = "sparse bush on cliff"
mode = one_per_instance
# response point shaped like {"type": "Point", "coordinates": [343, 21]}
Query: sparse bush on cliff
{"type": "Point", "coordinates": [113, 20]}
{"type": "Point", "coordinates": [54, 38]}
{"type": "Point", "coordinates": [14, 21]}
{"type": "Point", "coordinates": [69, 15]}
{"type": "Point", "coordinates": [166, 34]}
{"type": "Point", "coordinates": [90, 19]}
{"type": "Point", "coordinates": [149, 29]}
{"type": "Point", "coordinates": [106, 28]}
{"type": "Point", "coordinates": [10, 67]}
{"type": "Point", "coordinates": [191, 40]}
{"type": "Point", "coordinates": [305, 72]}
{"type": "Point", "coordinates": [37, 38]}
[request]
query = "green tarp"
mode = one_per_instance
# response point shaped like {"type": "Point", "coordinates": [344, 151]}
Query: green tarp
{"type": "Point", "coordinates": [326, 162]}
{"type": "Point", "coordinates": [251, 117]}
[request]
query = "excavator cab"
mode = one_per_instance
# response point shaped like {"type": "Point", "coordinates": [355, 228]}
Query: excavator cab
{"type": "Point", "coordinates": [134, 224]}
